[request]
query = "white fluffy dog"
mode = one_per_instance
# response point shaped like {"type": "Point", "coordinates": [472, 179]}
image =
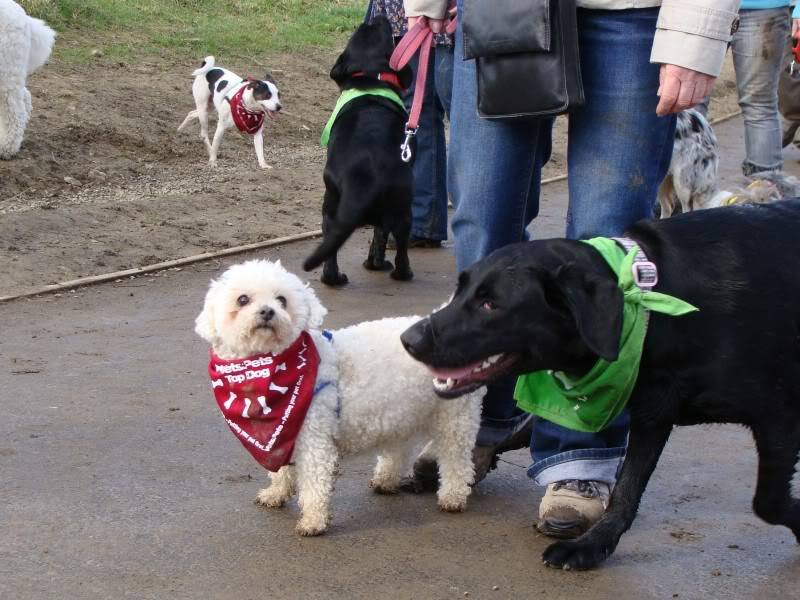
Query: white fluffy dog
{"type": "Point", "coordinates": [382, 399]}
{"type": "Point", "coordinates": [25, 45]}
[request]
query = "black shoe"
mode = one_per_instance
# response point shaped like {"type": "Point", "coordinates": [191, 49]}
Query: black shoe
{"type": "Point", "coordinates": [414, 242]}
{"type": "Point", "coordinates": [484, 457]}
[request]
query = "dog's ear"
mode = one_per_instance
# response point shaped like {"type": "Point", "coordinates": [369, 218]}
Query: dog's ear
{"type": "Point", "coordinates": [340, 69]}
{"type": "Point", "coordinates": [316, 312]}
{"type": "Point", "coordinates": [405, 75]}
{"type": "Point", "coordinates": [204, 323]}
{"type": "Point", "coordinates": [595, 303]}
{"type": "Point", "coordinates": [269, 77]}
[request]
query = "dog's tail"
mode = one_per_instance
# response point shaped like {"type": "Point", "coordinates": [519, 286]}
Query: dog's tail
{"type": "Point", "coordinates": [335, 237]}
{"type": "Point", "coordinates": [42, 40]}
{"type": "Point", "coordinates": [208, 64]}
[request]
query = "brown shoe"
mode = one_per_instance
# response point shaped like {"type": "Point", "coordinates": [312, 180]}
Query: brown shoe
{"type": "Point", "coordinates": [569, 508]}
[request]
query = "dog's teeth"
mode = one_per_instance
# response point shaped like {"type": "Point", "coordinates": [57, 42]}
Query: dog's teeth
{"type": "Point", "coordinates": [494, 359]}
{"type": "Point", "coordinates": [449, 383]}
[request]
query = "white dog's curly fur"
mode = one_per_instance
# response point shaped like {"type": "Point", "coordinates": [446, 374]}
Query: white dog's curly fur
{"type": "Point", "coordinates": [25, 45]}
{"type": "Point", "coordinates": [384, 398]}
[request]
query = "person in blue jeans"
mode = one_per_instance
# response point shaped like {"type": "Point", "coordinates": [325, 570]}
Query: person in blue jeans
{"type": "Point", "coordinates": [758, 48]}
{"type": "Point", "coordinates": [429, 202]}
{"type": "Point", "coordinates": [638, 66]}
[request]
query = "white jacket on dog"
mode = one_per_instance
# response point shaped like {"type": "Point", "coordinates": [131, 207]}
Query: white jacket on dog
{"type": "Point", "coordinates": [382, 398]}
{"type": "Point", "coordinates": [25, 45]}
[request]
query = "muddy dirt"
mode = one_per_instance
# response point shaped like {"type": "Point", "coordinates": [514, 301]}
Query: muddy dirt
{"type": "Point", "coordinates": [105, 182]}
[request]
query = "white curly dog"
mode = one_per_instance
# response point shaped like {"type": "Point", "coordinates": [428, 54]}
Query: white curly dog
{"type": "Point", "coordinates": [25, 45]}
{"type": "Point", "coordinates": [382, 400]}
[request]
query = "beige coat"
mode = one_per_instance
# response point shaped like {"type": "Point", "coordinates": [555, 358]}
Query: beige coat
{"type": "Point", "coordinates": [691, 34]}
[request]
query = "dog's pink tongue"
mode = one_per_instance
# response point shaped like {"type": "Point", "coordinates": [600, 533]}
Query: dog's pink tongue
{"type": "Point", "coordinates": [453, 373]}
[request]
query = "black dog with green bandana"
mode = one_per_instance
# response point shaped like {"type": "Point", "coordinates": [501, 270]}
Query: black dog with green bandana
{"type": "Point", "coordinates": [557, 306]}
{"type": "Point", "coordinates": [366, 181]}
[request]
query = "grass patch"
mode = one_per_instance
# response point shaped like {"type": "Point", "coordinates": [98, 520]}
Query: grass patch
{"type": "Point", "coordinates": [123, 28]}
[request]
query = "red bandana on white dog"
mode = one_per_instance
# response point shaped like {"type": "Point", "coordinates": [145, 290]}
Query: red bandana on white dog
{"type": "Point", "coordinates": [246, 120]}
{"type": "Point", "coordinates": [265, 398]}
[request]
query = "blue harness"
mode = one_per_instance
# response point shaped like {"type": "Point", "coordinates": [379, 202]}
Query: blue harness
{"type": "Point", "coordinates": [323, 384]}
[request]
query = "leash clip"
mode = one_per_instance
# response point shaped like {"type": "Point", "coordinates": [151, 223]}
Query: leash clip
{"type": "Point", "coordinates": [405, 147]}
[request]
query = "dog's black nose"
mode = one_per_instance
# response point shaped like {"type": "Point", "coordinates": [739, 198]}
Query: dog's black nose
{"type": "Point", "coordinates": [418, 339]}
{"type": "Point", "coordinates": [278, 108]}
{"type": "Point", "coordinates": [266, 313]}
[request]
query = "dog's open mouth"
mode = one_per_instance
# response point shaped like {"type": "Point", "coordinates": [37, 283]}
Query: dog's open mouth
{"type": "Point", "coordinates": [454, 382]}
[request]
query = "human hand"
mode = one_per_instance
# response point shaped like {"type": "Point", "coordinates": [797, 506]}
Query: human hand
{"type": "Point", "coordinates": [681, 88]}
{"type": "Point", "coordinates": [436, 25]}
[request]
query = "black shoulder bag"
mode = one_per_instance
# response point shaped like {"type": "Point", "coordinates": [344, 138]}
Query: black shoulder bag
{"type": "Point", "coordinates": [526, 56]}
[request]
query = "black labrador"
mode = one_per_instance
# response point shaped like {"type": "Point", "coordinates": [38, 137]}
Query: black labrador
{"type": "Point", "coordinates": [555, 304]}
{"type": "Point", "coordinates": [366, 181]}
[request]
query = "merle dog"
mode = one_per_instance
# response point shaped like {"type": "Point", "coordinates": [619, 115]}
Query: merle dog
{"type": "Point", "coordinates": [555, 304]}
{"type": "Point", "coordinates": [366, 182]}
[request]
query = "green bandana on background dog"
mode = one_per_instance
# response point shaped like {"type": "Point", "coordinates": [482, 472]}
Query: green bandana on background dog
{"type": "Point", "coordinates": [350, 95]}
{"type": "Point", "coordinates": [594, 400]}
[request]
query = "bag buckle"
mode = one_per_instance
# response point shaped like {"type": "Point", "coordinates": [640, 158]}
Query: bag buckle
{"type": "Point", "coordinates": [645, 274]}
{"type": "Point", "coordinates": [405, 147]}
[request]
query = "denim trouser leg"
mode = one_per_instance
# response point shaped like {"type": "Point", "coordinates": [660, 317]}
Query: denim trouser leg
{"type": "Point", "coordinates": [758, 48]}
{"type": "Point", "coordinates": [618, 153]}
{"type": "Point", "coordinates": [494, 170]}
{"type": "Point", "coordinates": [429, 204]}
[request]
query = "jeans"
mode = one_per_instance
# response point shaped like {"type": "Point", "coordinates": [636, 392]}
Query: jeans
{"type": "Point", "coordinates": [429, 204]}
{"type": "Point", "coordinates": [618, 153]}
{"type": "Point", "coordinates": [758, 49]}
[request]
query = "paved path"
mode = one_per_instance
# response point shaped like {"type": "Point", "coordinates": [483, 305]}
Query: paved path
{"type": "Point", "coordinates": [120, 479]}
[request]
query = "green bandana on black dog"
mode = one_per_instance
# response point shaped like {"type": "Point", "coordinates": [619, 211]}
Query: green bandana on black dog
{"type": "Point", "coordinates": [350, 95]}
{"type": "Point", "coordinates": [594, 400]}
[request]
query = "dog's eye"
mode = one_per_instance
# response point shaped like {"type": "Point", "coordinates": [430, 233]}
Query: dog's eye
{"type": "Point", "coordinates": [487, 306]}
{"type": "Point", "coordinates": [282, 300]}
{"type": "Point", "coordinates": [243, 300]}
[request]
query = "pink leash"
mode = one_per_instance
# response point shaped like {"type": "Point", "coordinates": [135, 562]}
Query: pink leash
{"type": "Point", "coordinates": [418, 38]}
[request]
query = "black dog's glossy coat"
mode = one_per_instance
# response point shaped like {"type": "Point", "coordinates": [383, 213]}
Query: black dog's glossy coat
{"type": "Point", "coordinates": [366, 182]}
{"type": "Point", "coordinates": [555, 305]}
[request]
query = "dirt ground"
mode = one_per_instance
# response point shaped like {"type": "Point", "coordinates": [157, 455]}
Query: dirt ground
{"type": "Point", "coordinates": [105, 182]}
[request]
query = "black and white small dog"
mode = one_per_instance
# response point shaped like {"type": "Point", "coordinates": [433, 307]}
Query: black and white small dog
{"type": "Point", "coordinates": [240, 103]}
{"type": "Point", "coordinates": [366, 182]}
{"type": "Point", "coordinates": [692, 182]}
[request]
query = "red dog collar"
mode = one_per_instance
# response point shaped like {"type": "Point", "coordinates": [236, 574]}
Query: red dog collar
{"type": "Point", "coordinates": [389, 77]}
{"type": "Point", "coordinates": [265, 398]}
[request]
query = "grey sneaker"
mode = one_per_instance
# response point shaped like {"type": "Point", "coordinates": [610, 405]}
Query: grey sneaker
{"type": "Point", "coordinates": [484, 457]}
{"type": "Point", "coordinates": [569, 508]}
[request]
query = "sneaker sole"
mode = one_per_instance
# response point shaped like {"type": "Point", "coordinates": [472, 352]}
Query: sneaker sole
{"type": "Point", "coordinates": [567, 530]}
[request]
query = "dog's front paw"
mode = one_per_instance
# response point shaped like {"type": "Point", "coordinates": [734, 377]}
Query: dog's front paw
{"type": "Point", "coordinates": [265, 166]}
{"type": "Point", "coordinates": [402, 275]}
{"type": "Point", "coordinates": [575, 555]}
{"type": "Point", "coordinates": [311, 525]}
{"type": "Point", "coordinates": [454, 500]}
{"type": "Point", "coordinates": [271, 497]}
{"type": "Point", "coordinates": [212, 164]}
{"type": "Point", "coordinates": [337, 280]}
{"type": "Point", "coordinates": [384, 486]}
